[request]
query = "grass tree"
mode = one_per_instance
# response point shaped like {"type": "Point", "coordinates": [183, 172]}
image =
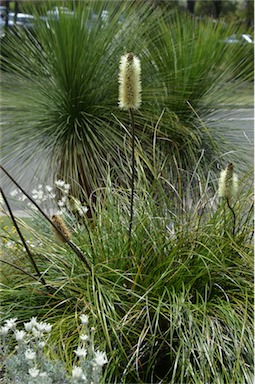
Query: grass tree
{"type": "Point", "coordinates": [60, 91]}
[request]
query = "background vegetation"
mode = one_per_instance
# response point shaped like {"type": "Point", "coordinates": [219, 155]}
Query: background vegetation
{"type": "Point", "coordinates": [69, 106]}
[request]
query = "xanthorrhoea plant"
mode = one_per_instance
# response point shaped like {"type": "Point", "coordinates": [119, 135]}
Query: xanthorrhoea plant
{"type": "Point", "coordinates": [67, 76]}
{"type": "Point", "coordinates": [66, 73]}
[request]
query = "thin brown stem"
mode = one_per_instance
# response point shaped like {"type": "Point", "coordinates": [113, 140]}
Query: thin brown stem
{"type": "Point", "coordinates": [23, 240]}
{"type": "Point", "coordinates": [132, 176]}
{"type": "Point", "coordinates": [71, 244]}
{"type": "Point", "coordinates": [234, 216]}
{"type": "Point", "coordinates": [19, 269]}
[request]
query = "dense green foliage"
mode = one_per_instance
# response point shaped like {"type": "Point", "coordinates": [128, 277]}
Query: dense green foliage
{"type": "Point", "coordinates": [60, 90]}
{"type": "Point", "coordinates": [177, 308]}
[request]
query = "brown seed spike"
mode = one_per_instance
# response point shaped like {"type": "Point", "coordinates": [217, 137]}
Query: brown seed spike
{"type": "Point", "coordinates": [59, 223]}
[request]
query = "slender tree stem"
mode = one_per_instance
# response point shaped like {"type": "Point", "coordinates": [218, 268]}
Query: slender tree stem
{"type": "Point", "coordinates": [69, 242]}
{"type": "Point", "coordinates": [22, 239]}
{"type": "Point", "coordinates": [132, 175]}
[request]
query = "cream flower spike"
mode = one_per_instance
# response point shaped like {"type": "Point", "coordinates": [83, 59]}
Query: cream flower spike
{"type": "Point", "coordinates": [129, 82]}
{"type": "Point", "coordinates": [228, 182]}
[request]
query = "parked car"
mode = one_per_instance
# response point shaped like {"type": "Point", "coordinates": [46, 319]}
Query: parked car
{"type": "Point", "coordinates": [2, 21]}
{"type": "Point", "coordinates": [243, 39]}
{"type": "Point", "coordinates": [22, 20]}
{"type": "Point", "coordinates": [56, 11]}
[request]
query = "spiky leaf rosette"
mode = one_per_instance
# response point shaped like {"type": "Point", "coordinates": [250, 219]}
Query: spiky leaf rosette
{"type": "Point", "coordinates": [60, 91]}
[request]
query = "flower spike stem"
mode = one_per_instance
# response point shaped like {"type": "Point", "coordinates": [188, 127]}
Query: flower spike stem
{"type": "Point", "coordinates": [131, 112]}
{"type": "Point", "coordinates": [234, 216]}
{"type": "Point", "coordinates": [69, 242]}
{"type": "Point", "coordinates": [19, 269]}
{"type": "Point", "coordinates": [23, 240]}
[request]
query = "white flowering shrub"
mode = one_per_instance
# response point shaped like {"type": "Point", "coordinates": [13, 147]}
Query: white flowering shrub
{"type": "Point", "coordinates": [50, 197]}
{"type": "Point", "coordinates": [46, 196]}
{"type": "Point", "coordinates": [56, 199]}
{"type": "Point", "coordinates": [25, 361]}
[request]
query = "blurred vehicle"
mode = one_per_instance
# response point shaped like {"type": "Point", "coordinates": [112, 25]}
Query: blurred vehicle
{"type": "Point", "coordinates": [3, 12]}
{"type": "Point", "coordinates": [22, 20]}
{"type": "Point", "coordinates": [56, 11]}
{"type": "Point", "coordinates": [2, 28]}
{"type": "Point", "coordinates": [2, 20]}
{"type": "Point", "coordinates": [243, 39]}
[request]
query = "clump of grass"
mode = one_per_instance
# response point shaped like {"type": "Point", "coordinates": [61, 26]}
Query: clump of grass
{"type": "Point", "coordinates": [178, 310]}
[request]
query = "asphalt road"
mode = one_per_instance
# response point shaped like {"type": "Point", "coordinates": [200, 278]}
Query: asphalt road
{"type": "Point", "coordinates": [237, 125]}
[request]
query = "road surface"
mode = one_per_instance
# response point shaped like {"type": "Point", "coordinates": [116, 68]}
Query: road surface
{"type": "Point", "coordinates": [237, 125]}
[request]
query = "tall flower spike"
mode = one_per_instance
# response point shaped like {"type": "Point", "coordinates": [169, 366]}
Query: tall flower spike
{"type": "Point", "coordinates": [228, 182]}
{"type": "Point", "coordinates": [59, 222]}
{"type": "Point", "coordinates": [129, 82]}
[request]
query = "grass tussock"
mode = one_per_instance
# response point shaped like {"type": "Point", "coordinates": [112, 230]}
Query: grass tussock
{"type": "Point", "coordinates": [176, 308]}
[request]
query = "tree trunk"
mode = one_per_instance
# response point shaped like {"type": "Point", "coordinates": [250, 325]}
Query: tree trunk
{"type": "Point", "coordinates": [249, 7]}
{"type": "Point", "coordinates": [217, 7]}
{"type": "Point", "coordinates": [191, 6]}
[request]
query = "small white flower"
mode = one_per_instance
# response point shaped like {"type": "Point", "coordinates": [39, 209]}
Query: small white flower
{"type": "Point", "coordinates": [47, 327]}
{"type": "Point", "coordinates": [38, 196]}
{"type": "Point", "coordinates": [61, 203]}
{"type": "Point", "coordinates": [33, 372]}
{"type": "Point", "coordinates": [11, 323]}
{"type": "Point", "coordinates": [30, 355]}
{"type": "Point", "coordinates": [36, 333]}
{"type": "Point", "coordinates": [84, 319]}
{"type": "Point", "coordinates": [40, 327]}
{"type": "Point", "coordinates": [14, 193]}
{"type": "Point", "coordinates": [44, 327]}
{"type": "Point", "coordinates": [81, 352]}
{"type": "Point", "coordinates": [22, 198]}
{"type": "Point", "coordinates": [40, 186]}
{"type": "Point", "coordinates": [100, 358]}
{"type": "Point", "coordinates": [4, 330]}
{"type": "Point", "coordinates": [41, 344]}
{"type": "Point", "coordinates": [84, 337]}
{"type": "Point", "coordinates": [48, 188]}
{"type": "Point", "coordinates": [77, 372]}
{"type": "Point", "coordinates": [32, 323]}
{"type": "Point", "coordinates": [19, 335]}
{"type": "Point", "coordinates": [82, 210]}
{"type": "Point", "coordinates": [59, 183]}
{"type": "Point", "coordinates": [67, 187]}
